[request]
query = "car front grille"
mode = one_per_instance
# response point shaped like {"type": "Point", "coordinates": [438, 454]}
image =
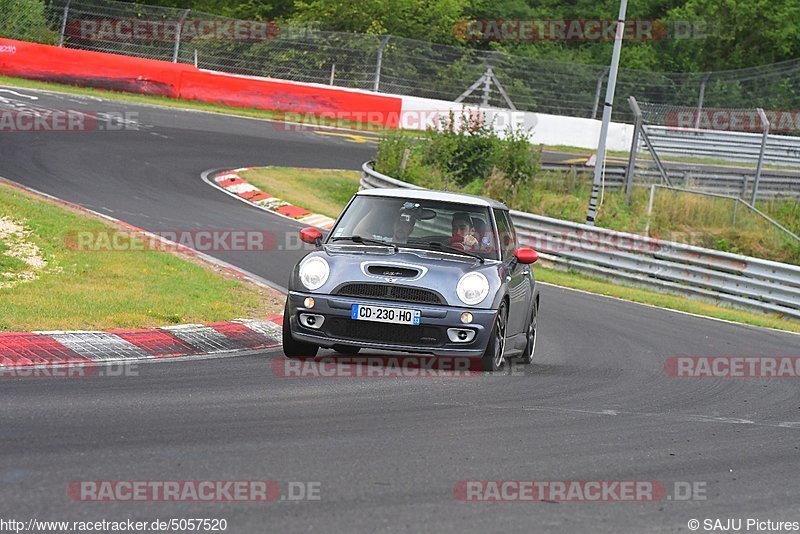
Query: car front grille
{"type": "Point", "coordinates": [391, 292]}
{"type": "Point", "coordinates": [423, 335]}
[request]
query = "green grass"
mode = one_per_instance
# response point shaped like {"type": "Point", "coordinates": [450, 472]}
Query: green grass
{"type": "Point", "coordinates": [9, 265]}
{"type": "Point", "coordinates": [112, 289]}
{"type": "Point", "coordinates": [319, 190]}
{"type": "Point", "coordinates": [312, 185]}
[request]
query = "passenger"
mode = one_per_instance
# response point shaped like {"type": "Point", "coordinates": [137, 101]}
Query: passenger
{"type": "Point", "coordinates": [482, 234]}
{"type": "Point", "coordinates": [462, 237]}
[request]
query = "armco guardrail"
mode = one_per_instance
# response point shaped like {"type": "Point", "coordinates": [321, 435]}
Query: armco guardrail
{"type": "Point", "coordinates": [733, 146]}
{"type": "Point", "coordinates": [709, 178]}
{"type": "Point", "coordinates": [664, 266]}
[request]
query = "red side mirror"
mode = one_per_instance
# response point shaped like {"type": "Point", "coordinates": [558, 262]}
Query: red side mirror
{"type": "Point", "coordinates": [526, 255]}
{"type": "Point", "coordinates": [310, 235]}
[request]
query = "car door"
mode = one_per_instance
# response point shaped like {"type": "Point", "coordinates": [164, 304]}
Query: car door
{"type": "Point", "coordinates": [517, 274]}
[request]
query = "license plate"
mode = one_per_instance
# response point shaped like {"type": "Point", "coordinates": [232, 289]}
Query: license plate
{"type": "Point", "coordinates": [382, 314]}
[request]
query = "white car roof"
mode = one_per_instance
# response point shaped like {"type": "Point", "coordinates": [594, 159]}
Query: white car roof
{"type": "Point", "coordinates": [431, 194]}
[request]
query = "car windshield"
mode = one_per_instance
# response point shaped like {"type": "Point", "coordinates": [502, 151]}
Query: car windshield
{"type": "Point", "coordinates": [426, 224]}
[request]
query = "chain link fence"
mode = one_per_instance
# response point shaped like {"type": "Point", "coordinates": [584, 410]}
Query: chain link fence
{"type": "Point", "coordinates": [387, 63]}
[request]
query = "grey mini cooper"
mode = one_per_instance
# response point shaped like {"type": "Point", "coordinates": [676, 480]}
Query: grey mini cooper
{"type": "Point", "coordinates": [415, 271]}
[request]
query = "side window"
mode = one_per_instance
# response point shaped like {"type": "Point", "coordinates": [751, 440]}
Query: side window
{"type": "Point", "coordinates": [508, 241]}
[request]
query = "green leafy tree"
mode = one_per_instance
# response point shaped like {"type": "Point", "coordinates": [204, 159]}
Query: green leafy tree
{"type": "Point", "coordinates": [25, 20]}
{"type": "Point", "coordinates": [429, 20]}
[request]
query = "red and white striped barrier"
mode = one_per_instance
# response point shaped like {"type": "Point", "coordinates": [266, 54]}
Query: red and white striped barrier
{"type": "Point", "coordinates": [233, 184]}
{"type": "Point", "coordinates": [85, 347]}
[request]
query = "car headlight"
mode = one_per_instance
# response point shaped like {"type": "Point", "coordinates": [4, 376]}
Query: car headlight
{"type": "Point", "coordinates": [472, 288]}
{"type": "Point", "coordinates": [314, 272]}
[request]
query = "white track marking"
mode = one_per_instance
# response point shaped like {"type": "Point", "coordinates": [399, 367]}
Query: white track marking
{"type": "Point", "coordinates": [669, 309]}
{"type": "Point", "coordinates": [689, 418]}
{"type": "Point", "coordinates": [31, 97]}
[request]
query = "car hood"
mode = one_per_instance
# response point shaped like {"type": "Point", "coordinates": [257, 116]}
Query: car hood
{"type": "Point", "coordinates": [436, 271]}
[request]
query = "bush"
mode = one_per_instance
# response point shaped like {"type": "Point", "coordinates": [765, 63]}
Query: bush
{"type": "Point", "coordinates": [461, 154]}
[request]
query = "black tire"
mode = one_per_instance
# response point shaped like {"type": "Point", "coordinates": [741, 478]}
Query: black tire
{"type": "Point", "coordinates": [530, 347]}
{"type": "Point", "coordinates": [297, 350]}
{"type": "Point", "coordinates": [494, 357]}
{"type": "Point", "coordinates": [346, 349]}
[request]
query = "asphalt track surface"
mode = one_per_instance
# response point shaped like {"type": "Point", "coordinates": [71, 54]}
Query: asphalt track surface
{"type": "Point", "coordinates": [596, 405]}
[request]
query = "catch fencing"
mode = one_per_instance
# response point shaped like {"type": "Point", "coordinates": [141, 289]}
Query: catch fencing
{"type": "Point", "coordinates": [390, 64]}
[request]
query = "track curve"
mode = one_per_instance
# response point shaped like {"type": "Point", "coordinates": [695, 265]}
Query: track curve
{"type": "Point", "coordinates": [597, 404]}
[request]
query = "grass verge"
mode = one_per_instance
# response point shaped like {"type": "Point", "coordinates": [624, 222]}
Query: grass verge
{"type": "Point", "coordinates": [78, 289]}
{"type": "Point", "coordinates": [322, 191]}
{"type": "Point", "coordinates": [332, 189]}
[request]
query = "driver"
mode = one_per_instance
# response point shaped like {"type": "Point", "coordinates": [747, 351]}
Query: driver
{"type": "Point", "coordinates": [404, 224]}
{"type": "Point", "coordinates": [462, 237]}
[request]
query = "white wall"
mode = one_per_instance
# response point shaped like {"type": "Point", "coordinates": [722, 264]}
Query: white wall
{"type": "Point", "coordinates": [419, 113]}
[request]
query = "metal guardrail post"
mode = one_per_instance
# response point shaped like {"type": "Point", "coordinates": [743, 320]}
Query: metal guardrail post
{"type": "Point", "coordinates": [650, 209]}
{"type": "Point", "coordinates": [637, 127]}
{"type": "Point", "coordinates": [765, 122]}
{"type": "Point", "coordinates": [63, 25]}
{"type": "Point", "coordinates": [178, 32]}
{"type": "Point", "coordinates": [333, 73]}
{"type": "Point", "coordinates": [379, 63]}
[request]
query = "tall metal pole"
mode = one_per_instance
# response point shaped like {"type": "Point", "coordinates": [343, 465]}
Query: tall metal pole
{"type": "Point", "coordinates": [63, 25]}
{"type": "Point", "coordinates": [597, 92]}
{"type": "Point", "coordinates": [487, 87]}
{"type": "Point", "coordinates": [178, 31]}
{"type": "Point", "coordinates": [607, 107]}
{"type": "Point", "coordinates": [630, 172]}
{"type": "Point", "coordinates": [765, 122]}
{"type": "Point", "coordinates": [701, 98]}
{"type": "Point", "coordinates": [379, 64]}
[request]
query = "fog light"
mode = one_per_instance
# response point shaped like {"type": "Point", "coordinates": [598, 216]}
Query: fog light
{"type": "Point", "coordinates": [461, 335]}
{"type": "Point", "coordinates": [308, 302]}
{"type": "Point", "coordinates": [466, 317]}
{"type": "Point", "coordinates": [310, 320]}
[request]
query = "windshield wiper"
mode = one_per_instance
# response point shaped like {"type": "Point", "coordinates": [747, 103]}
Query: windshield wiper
{"type": "Point", "coordinates": [359, 239]}
{"type": "Point", "coordinates": [437, 245]}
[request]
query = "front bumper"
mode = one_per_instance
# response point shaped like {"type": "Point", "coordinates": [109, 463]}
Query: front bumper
{"type": "Point", "coordinates": [430, 337]}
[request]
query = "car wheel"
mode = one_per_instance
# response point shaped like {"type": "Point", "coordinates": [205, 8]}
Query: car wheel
{"type": "Point", "coordinates": [493, 358]}
{"type": "Point", "coordinates": [291, 347]}
{"type": "Point", "coordinates": [530, 347]}
{"type": "Point", "coordinates": [346, 349]}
